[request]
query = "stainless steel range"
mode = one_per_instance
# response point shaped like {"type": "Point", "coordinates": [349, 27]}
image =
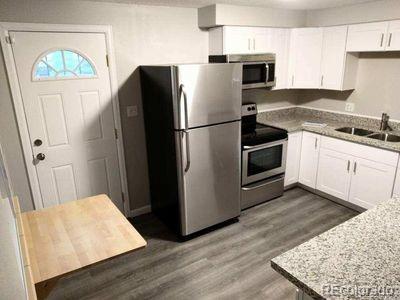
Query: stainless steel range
{"type": "Point", "coordinates": [263, 159]}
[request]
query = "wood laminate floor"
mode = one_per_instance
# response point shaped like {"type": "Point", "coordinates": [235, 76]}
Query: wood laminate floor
{"type": "Point", "coordinates": [232, 262]}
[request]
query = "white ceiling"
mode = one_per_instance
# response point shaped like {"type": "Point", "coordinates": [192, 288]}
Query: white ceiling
{"type": "Point", "coordinates": [286, 4]}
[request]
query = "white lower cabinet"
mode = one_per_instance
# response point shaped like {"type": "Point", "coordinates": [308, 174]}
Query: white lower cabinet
{"type": "Point", "coordinates": [396, 190]}
{"type": "Point", "coordinates": [356, 173]}
{"type": "Point", "coordinates": [371, 182]}
{"type": "Point", "coordinates": [334, 173]}
{"type": "Point", "coordinates": [309, 159]}
{"type": "Point", "coordinates": [293, 158]}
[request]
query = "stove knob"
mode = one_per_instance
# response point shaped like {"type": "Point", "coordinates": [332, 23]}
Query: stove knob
{"type": "Point", "coordinates": [249, 108]}
{"type": "Point", "coordinates": [253, 108]}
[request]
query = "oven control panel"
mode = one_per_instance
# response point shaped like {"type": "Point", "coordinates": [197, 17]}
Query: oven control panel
{"type": "Point", "coordinates": [249, 109]}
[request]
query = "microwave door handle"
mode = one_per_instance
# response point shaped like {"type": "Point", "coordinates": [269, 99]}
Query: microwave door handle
{"type": "Point", "coordinates": [266, 73]}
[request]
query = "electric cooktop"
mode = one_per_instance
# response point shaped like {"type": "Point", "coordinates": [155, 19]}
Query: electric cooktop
{"type": "Point", "coordinates": [258, 134]}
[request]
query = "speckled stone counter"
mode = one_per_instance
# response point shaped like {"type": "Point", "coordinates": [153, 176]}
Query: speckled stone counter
{"type": "Point", "coordinates": [292, 119]}
{"type": "Point", "coordinates": [360, 256]}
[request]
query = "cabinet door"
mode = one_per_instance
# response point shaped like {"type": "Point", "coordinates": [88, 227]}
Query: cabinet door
{"type": "Point", "coordinates": [293, 158]}
{"type": "Point", "coordinates": [309, 159]}
{"type": "Point", "coordinates": [334, 173]}
{"type": "Point", "coordinates": [333, 57]}
{"type": "Point", "coordinates": [280, 45]}
{"type": "Point", "coordinates": [237, 40]}
{"type": "Point", "coordinates": [367, 37]}
{"type": "Point", "coordinates": [262, 40]}
{"type": "Point", "coordinates": [305, 58]}
{"type": "Point", "coordinates": [396, 190]}
{"type": "Point", "coordinates": [371, 183]}
{"type": "Point", "coordinates": [393, 43]}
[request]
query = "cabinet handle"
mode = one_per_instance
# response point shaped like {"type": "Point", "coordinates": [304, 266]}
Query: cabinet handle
{"type": "Point", "coordinates": [348, 166]}
{"type": "Point", "coordinates": [292, 80]}
{"type": "Point", "coordinates": [248, 44]}
{"type": "Point", "coordinates": [316, 143]}
{"type": "Point", "coordinates": [322, 80]}
{"type": "Point", "coordinates": [254, 44]}
{"type": "Point", "coordinates": [355, 168]}
{"type": "Point", "coordinates": [382, 35]}
{"type": "Point", "coordinates": [390, 40]}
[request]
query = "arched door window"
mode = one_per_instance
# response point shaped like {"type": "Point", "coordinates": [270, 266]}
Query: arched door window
{"type": "Point", "coordinates": [63, 64]}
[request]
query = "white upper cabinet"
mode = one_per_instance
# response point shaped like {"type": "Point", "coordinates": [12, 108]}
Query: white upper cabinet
{"type": "Point", "coordinates": [338, 68]}
{"type": "Point", "coordinates": [305, 58]}
{"type": "Point", "coordinates": [237, 40]}
{"type": "Point", "coordinates": [367, 37]}
{"type": "Point", "coordinates": [393, 39]}
{"type": "Point", "coordinates": [240, 40]}
{"type": "Point", "coordinates": [262, 40]}
{"type": "Point", "coordinates": [309, 159]}
{"type": "Point", "coordinates": [280, 45]}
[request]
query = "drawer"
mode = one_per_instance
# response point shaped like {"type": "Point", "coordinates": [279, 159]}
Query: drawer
{"type": "Point", "coordinates": [362, 151]}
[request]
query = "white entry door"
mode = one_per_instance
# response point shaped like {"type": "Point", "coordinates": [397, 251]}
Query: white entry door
{"type": "Point", "coordinates": [65, 86]}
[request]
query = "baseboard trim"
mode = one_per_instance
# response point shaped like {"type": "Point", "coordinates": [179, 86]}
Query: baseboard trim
{"type": "Point", "coordinates": [140, 211]}
{"type": "Point", "coordinates": [332, 198]}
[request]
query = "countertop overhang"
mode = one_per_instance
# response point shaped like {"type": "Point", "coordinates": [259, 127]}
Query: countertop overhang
{"type": "Point", "coordinates": [360, 257]}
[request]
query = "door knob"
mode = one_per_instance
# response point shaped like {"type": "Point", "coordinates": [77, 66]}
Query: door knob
{"type": "Point", "coordinates": [38, 142]}
{"type": "Point", "coordinates": [41, 156]}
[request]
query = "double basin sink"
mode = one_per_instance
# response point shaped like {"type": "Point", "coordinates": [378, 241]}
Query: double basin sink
{"type": "Point", "coordinates": [386, 137]}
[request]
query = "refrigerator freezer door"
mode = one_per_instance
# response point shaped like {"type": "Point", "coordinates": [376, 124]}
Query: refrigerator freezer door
{"type": "Point", "coordinates": [210, 187]}
{"type": "Point", "coordinates": [207, 94]}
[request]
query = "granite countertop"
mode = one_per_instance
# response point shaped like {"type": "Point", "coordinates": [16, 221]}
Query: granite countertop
{"type": "Point", "coordinates": [293, 121]}
{"type": "Point", "coordinates": [359, 256]}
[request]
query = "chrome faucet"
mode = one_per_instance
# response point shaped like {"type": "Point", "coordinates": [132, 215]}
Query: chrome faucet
{"type": "Point", "coordinates": [385, 122]}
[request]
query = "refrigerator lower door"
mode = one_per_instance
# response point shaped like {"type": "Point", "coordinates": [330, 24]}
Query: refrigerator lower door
{"type": "Point", "coordinates": [210, 181]}
{"type": "Point", "coordinates": [207, 94]}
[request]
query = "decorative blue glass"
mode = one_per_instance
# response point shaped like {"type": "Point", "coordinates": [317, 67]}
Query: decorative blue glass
{"type": "Point", "coordinates": [63, 64]}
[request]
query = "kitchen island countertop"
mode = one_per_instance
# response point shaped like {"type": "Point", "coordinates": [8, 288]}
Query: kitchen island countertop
{"type": "Point", "coordinates": [359, 256]}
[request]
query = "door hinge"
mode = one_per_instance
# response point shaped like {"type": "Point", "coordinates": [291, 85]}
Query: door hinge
{"type": "Point", "coordinates": [116, 133]}
{"type": "Point", "coordinates": [10, 40]}
{"type": "Point", "coordinates": [107, 61]}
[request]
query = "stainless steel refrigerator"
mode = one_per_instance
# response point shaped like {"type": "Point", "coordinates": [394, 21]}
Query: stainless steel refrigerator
{"type": "Point", "coordinates": [192, 117]}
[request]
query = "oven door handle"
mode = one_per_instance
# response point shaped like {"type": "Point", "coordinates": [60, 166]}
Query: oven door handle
{"type": "Point", "coordinates": [265, 145]}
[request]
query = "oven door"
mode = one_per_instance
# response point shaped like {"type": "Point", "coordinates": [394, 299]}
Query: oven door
{"type": "Point", "coordinates": [258, 75]}
{"type": "Point", "coordinates": [263, 161]}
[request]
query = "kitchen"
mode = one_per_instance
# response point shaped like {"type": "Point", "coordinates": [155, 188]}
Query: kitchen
{"type": "Point", "coordinates": [340, 79]}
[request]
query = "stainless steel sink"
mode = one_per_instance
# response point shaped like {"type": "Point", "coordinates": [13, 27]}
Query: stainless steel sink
{"type": "Point", "coordinates": [386, 137]}
{"type": "Point", "coordinates": [355, 131]}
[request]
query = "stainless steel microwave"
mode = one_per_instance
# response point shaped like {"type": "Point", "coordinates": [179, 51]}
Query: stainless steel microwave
{"type": "Point", "coordinates": [258, 69]}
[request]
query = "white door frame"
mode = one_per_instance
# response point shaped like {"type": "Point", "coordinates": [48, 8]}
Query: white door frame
{"type": "Point", "coordinates": [19, 108]}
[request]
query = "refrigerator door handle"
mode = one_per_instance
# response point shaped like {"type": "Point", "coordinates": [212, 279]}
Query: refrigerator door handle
{"type": "Point", "coordinates": [185, 105]}
{"type": "Point", "coordinates": [186, 133]}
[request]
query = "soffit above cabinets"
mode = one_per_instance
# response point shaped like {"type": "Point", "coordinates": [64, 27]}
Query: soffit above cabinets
{"type": "Point", "coordinates": [283, 4]}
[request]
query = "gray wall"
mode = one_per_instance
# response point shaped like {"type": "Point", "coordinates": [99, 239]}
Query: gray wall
{"type": "Point", "coordinates": [378, 81]}
{"type": "Point", "coordinates": [223, 14]}
{"type": "Point", "coordinates": [142, 35]}
{"type": "Point", "coordinates": [11, 276]}
{"type": "Point", "coordinates": [359, 13]}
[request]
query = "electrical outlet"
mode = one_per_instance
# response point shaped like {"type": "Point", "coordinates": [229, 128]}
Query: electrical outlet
{"type": "Point", "coordinates": [349, 107]}
{"type": "Point", "coordinates": [131, 111]}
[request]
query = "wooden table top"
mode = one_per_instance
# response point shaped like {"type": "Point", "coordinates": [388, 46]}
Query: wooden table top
{"type": "Point", "coordinates": [70, 236]}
